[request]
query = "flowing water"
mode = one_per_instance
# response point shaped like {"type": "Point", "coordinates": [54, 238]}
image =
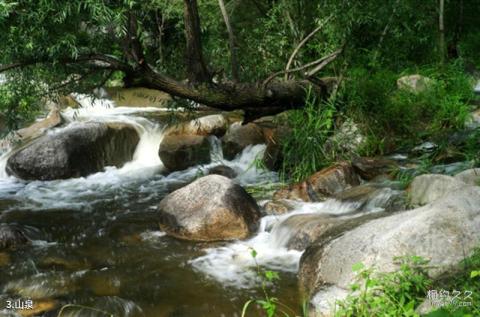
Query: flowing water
{"type": "Point", "coordinates": [97, 243]}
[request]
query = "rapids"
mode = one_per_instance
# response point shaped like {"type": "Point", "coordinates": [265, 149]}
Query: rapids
{"type": "Point", "coordinates": [96, 242]}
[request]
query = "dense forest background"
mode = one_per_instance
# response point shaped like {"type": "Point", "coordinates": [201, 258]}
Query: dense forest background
{"type": "Point", "coordinates": [358, 47]}
{"type": "Point", "coordinates": [337, 80]}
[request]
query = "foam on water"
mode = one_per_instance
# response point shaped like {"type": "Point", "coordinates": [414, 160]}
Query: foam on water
{"type": "Point", "coordinates": [141, 175]}
{"type": "Point", "coordinates": [234, 265]}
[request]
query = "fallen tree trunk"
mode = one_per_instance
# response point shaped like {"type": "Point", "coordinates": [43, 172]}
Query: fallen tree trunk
{"type": "Point", "coordinates": [255, 99]}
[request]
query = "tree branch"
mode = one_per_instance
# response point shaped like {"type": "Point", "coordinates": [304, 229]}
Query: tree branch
{"type": "Point", "coordinates": [328, 59]}
{"type": "Point", "coordinates": [300, 45]}
{"type": "Point", "coordinates": [293, 70]}
{"type": "Point", "coordinates": [231, 38]}
{"type": "Point", "coordinates": [4, 68]}
{"type": "Point", "coordinates": [321, 62]}
{"type": "Point", "coordinates": [111, 61]}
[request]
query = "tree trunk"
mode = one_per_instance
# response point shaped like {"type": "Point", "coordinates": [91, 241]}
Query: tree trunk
{"type": "Point", "coordinates": [441, 30]}
{"type": "Point", "coordinates": [255, 99]}
{"type": "Point", "coordinates": [196, 67]}
{"type": "Point", "coordinates": [231, 40]}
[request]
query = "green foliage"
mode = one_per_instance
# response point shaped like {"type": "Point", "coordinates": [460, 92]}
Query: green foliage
{"type": "Point", "coordinates": [303, 149]}
{"type": "Point", "coordinates": [404, 117]}
{"type": "Point", "coordinates": [399, 293]}
{"type": "Point", "coordinates": [271, 306]}
{"type": "Point", "coordinates": [18, 104]}
{"type": "Point", "coordinates": [387, 294]}
{"type": "Point", "coordinates": [465, 280]}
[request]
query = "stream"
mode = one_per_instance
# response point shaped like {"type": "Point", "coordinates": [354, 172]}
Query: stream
{"type": "Point", "coordinates": [97, 243]}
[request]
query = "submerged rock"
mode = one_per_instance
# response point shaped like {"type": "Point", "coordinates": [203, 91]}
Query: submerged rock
{"type": "Point", "coordinates": [11, 237]}
{"type": "Point", "coordinates": [179, 152]}
{"type": "Point", "coordinates": [40, 306]}
{"type": "Point", "coordinates": [368, 197]}
{"type": "Point", "coordinates": [321, 185]}
{"type": "Point", "coordinates": [42, 285]}
{"type": "Point", "coordinates": [240, 136]}
{"type": "Point", "coordinates": [300, 231]}
{"type": "Point", "coordinates": [75, 151]}
{"type": "Point", "coordinates": [278, 207]}
{"type": "Point", "coordinates": [443, 232]}
{"type": "Point", "coordinates": [209, 209]}
{"type": "Point", "coordinates": [4, 259]}
{"type": "Point", "coordinates": [223, 170]}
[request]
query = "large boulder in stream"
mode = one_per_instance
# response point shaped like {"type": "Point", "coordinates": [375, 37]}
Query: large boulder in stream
{"type": "Point", "coordinates": [240, 136]}
{"type": "Point", "coordinates": [470, 176]}
{"type": "Point", "coordinates": [211, 208]}
{"type": "Point", "coordinates": [443, 231]}
{"type": "Point", "coordinates": [427, 188]}
{"type": "Point", "coordinates": [214, 124]}
{"type": "Point", "coordinates": [179, 152]}
{"type": "Point", "coordinates": [321, 185]}
{"type": "Point", "coordinates": [77, 150]}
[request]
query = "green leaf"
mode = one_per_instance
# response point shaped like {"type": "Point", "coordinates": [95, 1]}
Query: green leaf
{"type": "Point", "coordinates": [358, 267]}
{"type": "Point", "coordinates": [253, 253]}
{"type": "Point", "coordinates": [271, 275]}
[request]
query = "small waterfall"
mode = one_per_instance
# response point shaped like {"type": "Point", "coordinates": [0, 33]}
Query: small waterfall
{"type": "Point", "coordinates": [216, 151]}
{"type": "Point", "coordinates": [233, 264]}
{"type": "Point", "coordinates": [73, 192]}
{"type": "Point", "coordinates": [3, 164]}
{"type": "Point", "coordinates": [281, 239]}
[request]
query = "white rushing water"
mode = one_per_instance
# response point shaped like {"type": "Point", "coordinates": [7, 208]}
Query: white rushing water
{"type": "Point", "coordinates": [234, 265]}
{"type": "Point", "coordinates": [142, 174]}
{"type": "Point", "coordinates": [231, 263]}
{"type": "Point", "coordinates": [76, 193]}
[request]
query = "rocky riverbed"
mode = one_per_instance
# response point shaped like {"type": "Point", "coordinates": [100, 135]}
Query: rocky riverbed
{"type": "Point", "coordinates": [117, 208]}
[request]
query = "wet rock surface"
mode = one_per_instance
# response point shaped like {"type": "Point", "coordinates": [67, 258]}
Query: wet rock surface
{"type": "Point", "coordinates": [209, 209]}
{"type": "Point", "coordinates": [443, 231]}
{"type": "Point", "coordinates": [75, 151]}
{"type": "Point", "coordinates": [322, 184]}
{"type": "Point", "coordinates": [240, 136]}
{"type": "Point", "coordinates": [215, 124]}
{"type": "Point", "coordinates": [428, 188]}
{"type": "Point", "coordinates": [11, 237]}
{"type": "Point", "coordinates": [370, 167]}
{"type": "Point", "coordinates": [223, 170]}
{"type": "Point", "coordinates": [179, 152]}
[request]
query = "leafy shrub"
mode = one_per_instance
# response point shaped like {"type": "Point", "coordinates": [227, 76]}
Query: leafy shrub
{"type": "Point", "coordinates": [303, 149]}
{"type": "Point", "coordinates": [404, 117]}
{"type": "Point", "coordinates": [387, 294]}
